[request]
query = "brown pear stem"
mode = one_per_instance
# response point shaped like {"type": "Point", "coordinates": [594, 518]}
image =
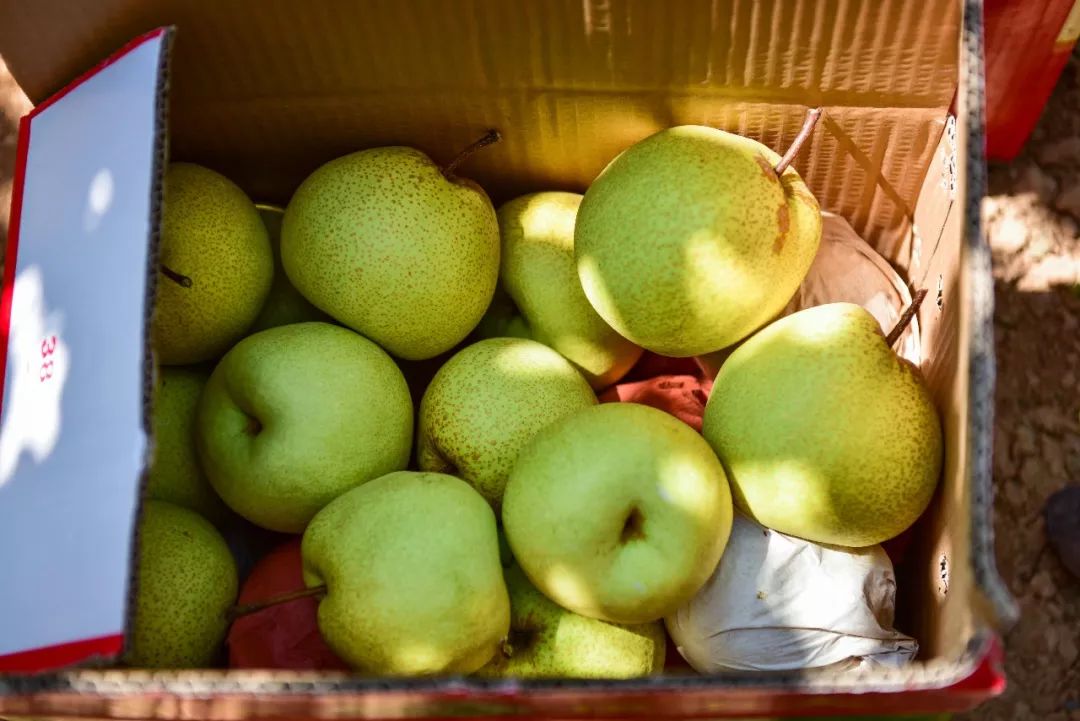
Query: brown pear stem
{"type": "Point", "coordinates": [905, 318]}
{"type": "Point", "coordinates": [179, 278]}
{"type": "Point", "coordinates": [812, 116]}
{"type": "Point", "coordinates": [490, 138]}
{"type": "Point", "coordinates": [245, 609]}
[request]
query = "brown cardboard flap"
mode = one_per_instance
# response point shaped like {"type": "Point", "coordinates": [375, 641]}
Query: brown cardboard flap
{"type": "Point", "coordinates": [266, 91]}
{"type": "Point", "coordinates": [883, 53]}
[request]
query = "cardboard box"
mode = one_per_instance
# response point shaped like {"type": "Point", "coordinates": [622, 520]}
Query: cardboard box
{"type": "Point", "coordinates": [266, 91]}
{"type": "Point", "coordinates": [1027, 47]}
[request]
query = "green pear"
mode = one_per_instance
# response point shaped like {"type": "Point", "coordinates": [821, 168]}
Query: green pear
{"type": "Point", "coordinates": [394, 247]}
{"type": "Point", "coordinates": [175, 475]}
{"type": "Point", "coordinates": [689, 240]}
{"type": "Point", "coordinates": [547, 641]}
{"type": "Point", "coordinates": [284, 304]}
{"type": "Point", "coordinates": [502, 319]}
{"type": "Point", "coordinates": [216, 266]}
{"type": "Point", "coordinates": [294, 416]}
{"type": "Point", "coordinates": [487, 402]}
{"type": "Point", "coordinates": [540, 276]}
{"type": "Point", "coordinates": [619, 512]}
{"type": "Point", "coordinates": [825, 432]}
{"type": "Point", "coordinates": [414, 586]}
{"type": "Point", "coordinates": [186, 583]}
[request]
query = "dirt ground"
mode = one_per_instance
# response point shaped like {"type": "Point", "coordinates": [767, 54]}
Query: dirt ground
{"type": "Point", "coordinates": [1032, 216]}
{"type": "Point", "coordinates": [1033, 222]}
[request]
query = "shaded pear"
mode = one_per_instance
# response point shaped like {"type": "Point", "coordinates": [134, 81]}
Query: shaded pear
{"type": "Point", "coordinates": [540, 277]}
{"type": "Point", "coordinates": [487, 403]}
{"type": "Point", "coordinates": [294, 416]}
{"type": "Point", "coordinates": [175, 475]}
{"type": "Point", "coordinates": [413, 582]}
{"type": "Point", "coordinates": [187, 582]}
{"type": "Point", "coordinates": [216, 266]}
{"type": "Point", "coordinates": [547, 641]}
{"type": "Point", "coordinates": [394, 247]}
{"type": "Point", "coordinates": [284, 303]}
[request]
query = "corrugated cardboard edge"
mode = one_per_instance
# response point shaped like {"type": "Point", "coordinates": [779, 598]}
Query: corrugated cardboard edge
{"type": "Point", "coordinates": [998, 605]}
{"type": "Point", "coordinates": [945, 685]}
{"type": "Point", "coordinates": [149, 378]}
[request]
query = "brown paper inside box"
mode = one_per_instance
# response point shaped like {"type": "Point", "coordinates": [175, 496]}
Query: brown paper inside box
{"type": "Point", "coordinates": [265, 92]}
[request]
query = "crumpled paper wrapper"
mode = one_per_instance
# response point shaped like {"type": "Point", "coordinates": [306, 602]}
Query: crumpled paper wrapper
{"type": "Point", "coordinates": [780, 603]}
{"type": "Point", "coordinates": [285, 636]}
{"type": "Point", "coordinates": [847, 269]}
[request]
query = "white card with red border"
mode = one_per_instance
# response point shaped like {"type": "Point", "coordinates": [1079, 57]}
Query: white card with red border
{"type": "Point", "coordinates": [73, 315]}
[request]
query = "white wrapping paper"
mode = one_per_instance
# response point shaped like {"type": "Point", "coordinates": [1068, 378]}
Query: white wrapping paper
{"type": "Point", "coordinates": [778, 603]}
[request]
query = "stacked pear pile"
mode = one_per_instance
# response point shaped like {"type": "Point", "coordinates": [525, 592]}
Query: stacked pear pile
{"type": "Point", "coordinates": [507, 524]}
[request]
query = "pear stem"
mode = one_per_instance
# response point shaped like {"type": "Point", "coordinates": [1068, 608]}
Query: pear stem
{"type": "Point", "coordinates": [245, 609]}
{"type": "Point", "coordinates": [905, 318]}
{"type": "Point", "coordinates": [490, 138]}
{"type": "Point", "coordinates": [179, 278]}
{"type": "Point", "coordinates": [812, 116]}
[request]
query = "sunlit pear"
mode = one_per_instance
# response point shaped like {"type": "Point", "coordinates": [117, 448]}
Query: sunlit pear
{"type": "Point", "coordinates": [619, 512]}
{"type": "Point", "coordinates": [690, 240]}
{"type": "Point", "coordinates": [826, 433]}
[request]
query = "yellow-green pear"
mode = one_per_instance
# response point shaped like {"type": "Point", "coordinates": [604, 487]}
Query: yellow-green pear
{"type": "Point", "coordinates": [689, 240]}
{"type": "Point", "coordinates": [394, 247]}
{"type": "Point", "coordinates": [619, 512]}
{"type": "Point", "coordinates": [487, 402]}
{"type": "Point", "coordinates": [294, 416]}
{"type": "Point", "coordinates": [547, 641]}
{"type": "Point", "coordinates": [284, 304]}
{"type": "Point", "coordinates": [826, 433]}
{"type": "Point", "coordinates": [413, 582]}
{"type": "Point", "coordinates": [186, 584]}
{"type": "Point", "coordinates": [216, 266]}
{"type": "Point", "coordinates": [175, 475]}
{"type": "Point", "coordinates": [540, 276]}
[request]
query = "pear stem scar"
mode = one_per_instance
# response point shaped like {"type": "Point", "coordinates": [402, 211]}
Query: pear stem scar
{"type": "Point", "coordinates": [633, 527]}
{"type": "Point", "coordinates": [179, 278]}
{"type": "Point", "coordinates": [490, 138]}
{"type": "Point", "coordinates": [812, 116]}
{"type": "Point", "coordinates": [253, 427]}
{"type": "Point", "coordinates": [905, 318]}
{"type": "Point", "coordinates": [244, 609]}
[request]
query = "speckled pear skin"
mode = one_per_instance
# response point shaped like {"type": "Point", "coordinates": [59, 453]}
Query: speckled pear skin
{"type": "Point", "coordinates": [210, 232]}
{"type": "Point", "coordinates": [619, 512]}
{"type": "Point", "coordinates": [688, 241]}
{"type": "Point", "coordinates": [414, 585]}
{"type": "Point", "coordinates": [187, 582]}
{"type": "Point", "coordinates": [284, 304]}
{"type": "Point", "coordinates": [487, 402]}
{"type": "Point", "coordinates": [547, 641]}
{"type": "Point", "coordinates": [386, 244]}
{"type": "Point", "coordinates": [175, 475]}
{"type": "Point", "coordinates": [539, 273]}
{"type": "Point", "coordinates": [826, 433]}
{"type": "Point", "coordinates": [294, 416]}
